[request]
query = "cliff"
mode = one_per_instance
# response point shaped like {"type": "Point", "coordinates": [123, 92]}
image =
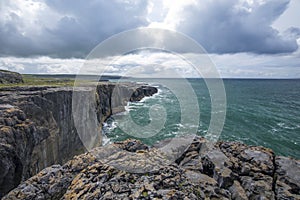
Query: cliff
{"type": "Point", "coordinates": [37, 127]}
{"type": "Point", "coordinates": [38, 139]}
{"type": "Point", "coordinates": [226, 170]}
{"type": "Point", "coordinates": [7, 77]}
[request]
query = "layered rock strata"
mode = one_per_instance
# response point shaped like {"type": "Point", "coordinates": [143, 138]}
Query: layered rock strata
{"type": "Point", "coordinates": [37, 125]}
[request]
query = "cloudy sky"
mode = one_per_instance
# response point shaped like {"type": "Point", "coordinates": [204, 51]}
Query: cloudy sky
{"type": "Point", "coordinates": [244, 38]}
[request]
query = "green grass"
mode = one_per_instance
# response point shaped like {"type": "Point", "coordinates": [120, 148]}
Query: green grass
{"type": "Point", "coordinates": [31, 80]}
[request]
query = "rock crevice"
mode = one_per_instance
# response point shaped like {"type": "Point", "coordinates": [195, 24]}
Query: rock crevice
{"type": "Point", "coordinates": [236, 171]}
{"type": "Point", "coordinates": [37, 126]}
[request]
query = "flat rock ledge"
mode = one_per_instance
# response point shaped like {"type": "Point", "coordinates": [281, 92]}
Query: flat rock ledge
{"type": "Point", "coordinates": [132, 170]}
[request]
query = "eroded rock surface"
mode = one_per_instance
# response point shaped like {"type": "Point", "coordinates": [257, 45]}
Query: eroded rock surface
{"type": "Point", "coordinates": [226, 170]}
{"type": "Point", "coordinates": [16, 145]}
{"type": "Point", "coordinates": [7, 77]}
{"type": "Point", "coordinates": [37, 126]}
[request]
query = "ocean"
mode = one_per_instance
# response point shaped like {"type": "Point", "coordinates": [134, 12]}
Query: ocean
{"type": "Point", "coordinates": [259, 112]}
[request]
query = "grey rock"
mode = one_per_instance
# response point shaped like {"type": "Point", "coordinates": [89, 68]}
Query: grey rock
{"type": "Point", "coordinates": [288, 178]}
{"type": "Point", "coordinates": [37, 130]}
{"type": "Point", "coordinates": [7, 77]}
{"type": "Point", "coordinates": [16, 145]}
{"type": "Point", "coordinates": [98, 175]}
{"type": "Point", "coordinates": [37, 127]}
{"type": "Point", "coordinates": [237, 191]}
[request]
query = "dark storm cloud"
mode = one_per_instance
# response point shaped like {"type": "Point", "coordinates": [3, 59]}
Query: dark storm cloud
{"type": "Point", "coordinates": [78, 26]}
{"type": "Point", "coordinates": [71, 28]}
{"type": "Point", "coordinates": [293, 32]}
{"type": "Point", "coordinates": [231, 26]}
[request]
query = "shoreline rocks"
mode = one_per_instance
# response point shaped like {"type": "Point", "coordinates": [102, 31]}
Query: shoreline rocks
{"type": "Point", "coordinates": [226, 170]}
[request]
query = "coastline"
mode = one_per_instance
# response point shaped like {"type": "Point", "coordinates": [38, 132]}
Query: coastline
{"type": "Point", "coordinates": [37, 129]}
{"type": "Point", "coordinates": [25, 112]}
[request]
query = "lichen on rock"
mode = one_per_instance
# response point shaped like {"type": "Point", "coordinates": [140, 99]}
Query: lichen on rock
{"type": "Point", "coordinates": [219, 173]}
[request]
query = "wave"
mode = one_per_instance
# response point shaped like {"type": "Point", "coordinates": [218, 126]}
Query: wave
{"type": "Point", "coordinates": [105, 140]}
{"type": "Point", "coordinates": [255, 115]}
{"type": "Point", "coordinates": [285, 126]}
{"type": "Point", "coordinates": [154, 96]}
{"type": "Point", "coordinates": [109, 126]}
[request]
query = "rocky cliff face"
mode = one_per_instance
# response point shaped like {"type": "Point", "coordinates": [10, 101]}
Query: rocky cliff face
{"type": "Point", "coordinates": [37, 127]}
{"type": "Point", "coordinates": [37, 130]}
{"type": "Point", "coordinates": [226, 170]}
{"type": "Point", "coordinates": [16, 144]}
{"type": "Point", "coordinates": [7, 77]}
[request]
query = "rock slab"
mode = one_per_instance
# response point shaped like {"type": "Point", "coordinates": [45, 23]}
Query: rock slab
{"type": "Point", "coordinates": [226, 170]}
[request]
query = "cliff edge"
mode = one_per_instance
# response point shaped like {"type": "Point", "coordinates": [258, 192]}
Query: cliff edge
{"type": "Point", "coordinates": [8, 77]}
{"type": "Point", "coordinates": [37, 126]}
{"type": "Point", "coordinates": [37, 131]}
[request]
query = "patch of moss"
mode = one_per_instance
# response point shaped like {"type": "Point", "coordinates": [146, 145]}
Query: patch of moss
{"type": "Point", "coordinates": [132, 181]}
{"type": "Point", "coordinates": [145, 194]}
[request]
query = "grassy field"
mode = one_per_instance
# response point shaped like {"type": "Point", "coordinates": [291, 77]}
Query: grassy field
{"type": "Point", "coordinates": [60, 80]}
{"type": "Point", "coordinates": [31, 80]}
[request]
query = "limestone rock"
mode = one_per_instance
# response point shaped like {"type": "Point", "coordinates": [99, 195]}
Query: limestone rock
{"type": "Point", "coordinates": [37, 130]}
{"type": "Point", "coordinates": [94, 175]}
{"type": "Point", "coordinates": [37, 127]}
{"type": "Point", "coordinates": [7, 77]}
{"type": "Point", "coordinates": [237, 191]}
{"type": "Point", "coordinates": [288, 178]}
{"type": "Point", "coordinates": [16, 145]}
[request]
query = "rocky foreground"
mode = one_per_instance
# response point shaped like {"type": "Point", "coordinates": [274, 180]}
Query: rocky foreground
{"type": "Point", "coordinates": [37, 130]}
{"type": "Point", "coordinates": [226, 170]}
{"type": "Point", "coordinates": [37, 126]}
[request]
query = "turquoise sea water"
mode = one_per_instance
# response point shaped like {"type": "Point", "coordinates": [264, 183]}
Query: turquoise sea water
{"type": "Point", "coordinates": [259, 112]}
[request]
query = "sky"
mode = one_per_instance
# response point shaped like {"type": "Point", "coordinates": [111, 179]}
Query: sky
{"type": "Point", "coordinates": [243, 38]}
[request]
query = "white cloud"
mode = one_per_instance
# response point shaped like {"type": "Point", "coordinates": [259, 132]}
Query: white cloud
{"type": "Point", "coordinates": [160, 64]}
{"type": "Point", "coordinates": [289, 18]}
{"type": "Point", "coordinates": [230, 26]}
{"type": "Point", "coordinates": [41, 65]}
{"type": "Point", "coordinates": [241, 35]}
{"type": "Point", "coordinates": [257, 66]}
{"type": "Point", "coordinates": [72, 28]}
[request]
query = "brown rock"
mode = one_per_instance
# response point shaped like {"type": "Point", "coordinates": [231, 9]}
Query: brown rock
{"type": "Point", "coordinates": [237, 191]}
{"type": "Point", "coordinates": [125, 171]}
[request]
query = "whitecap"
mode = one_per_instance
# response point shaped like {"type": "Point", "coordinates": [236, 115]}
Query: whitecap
{"type": "Point", "coordinates": [179, 125]}
{"type": "Point", "coordinates": [105, 140]}
{"type": "Point", "coordinates": [283, 125]}
{"type": "Point", "coordinates": [154, 96]}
